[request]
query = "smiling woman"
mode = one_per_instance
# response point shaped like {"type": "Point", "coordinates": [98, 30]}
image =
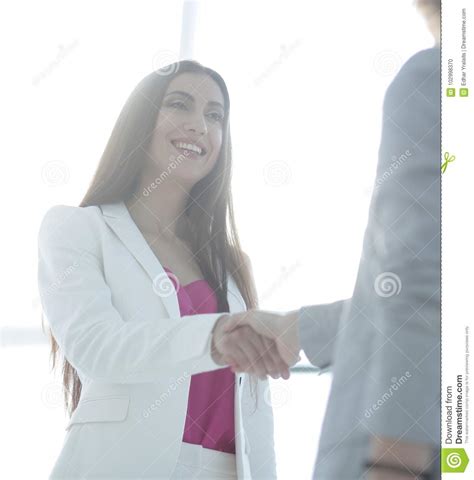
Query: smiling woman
{"type": "Point", "coordinates": [155, 274]}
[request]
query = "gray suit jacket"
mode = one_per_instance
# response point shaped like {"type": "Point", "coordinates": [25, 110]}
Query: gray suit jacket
{"type": "Point", "coordinates": [386, 348]}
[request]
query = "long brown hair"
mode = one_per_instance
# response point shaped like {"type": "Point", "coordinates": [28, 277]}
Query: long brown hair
{"type": "Point", "coordinates": [209, 208]}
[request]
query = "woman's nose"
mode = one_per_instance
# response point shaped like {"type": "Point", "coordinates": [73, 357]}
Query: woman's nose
{"type": "Point", "coordinates": [197, 125]}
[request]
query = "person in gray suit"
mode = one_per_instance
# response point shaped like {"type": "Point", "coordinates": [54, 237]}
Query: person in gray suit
{"type": "Point", "coordinates": [386, 384]}
{"type": "Point", "coordinates": [383, 415]}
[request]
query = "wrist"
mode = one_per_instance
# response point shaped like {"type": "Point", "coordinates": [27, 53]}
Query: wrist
{"type": "Point", "coordinates": [216, 334]}
{"type": "Point", "coordinates": [292, 319]}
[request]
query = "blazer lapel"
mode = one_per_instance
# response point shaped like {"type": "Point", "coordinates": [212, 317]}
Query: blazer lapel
{"type": "Point", "coordinates": [120, 221]}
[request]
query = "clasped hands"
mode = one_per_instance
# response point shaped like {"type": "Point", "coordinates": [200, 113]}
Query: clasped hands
{"type": "Point", "coordinates": [258, 342]}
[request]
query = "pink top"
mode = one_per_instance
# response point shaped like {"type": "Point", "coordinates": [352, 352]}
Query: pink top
{"type": "Point", "coordinates": [210, 415]}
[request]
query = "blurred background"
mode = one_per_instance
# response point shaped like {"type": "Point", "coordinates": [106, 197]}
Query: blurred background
{"type": "Point", "coordinates": [306, 82]}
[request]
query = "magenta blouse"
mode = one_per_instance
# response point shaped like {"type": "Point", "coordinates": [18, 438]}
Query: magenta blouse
{"type": "Point", "coordinates": [210, 415]}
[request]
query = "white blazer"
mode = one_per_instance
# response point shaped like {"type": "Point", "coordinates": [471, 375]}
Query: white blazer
{"type": "Point", "coordinates": [107, 300]}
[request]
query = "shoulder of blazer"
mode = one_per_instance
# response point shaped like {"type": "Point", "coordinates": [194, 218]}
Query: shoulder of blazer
{"type": "Point", "coordinates": [80, 227]}
{"type": "Point", "coordinates": [71, 225]}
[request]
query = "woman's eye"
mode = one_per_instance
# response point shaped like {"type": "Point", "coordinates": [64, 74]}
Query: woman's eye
{"type": "Point", "coordinates": [217, 116]}
{"type": "Point", "coordinates": [181, 104]}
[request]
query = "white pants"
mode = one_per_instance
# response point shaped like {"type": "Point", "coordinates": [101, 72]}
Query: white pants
{"type": "Point", "coordinates": [201, 463]}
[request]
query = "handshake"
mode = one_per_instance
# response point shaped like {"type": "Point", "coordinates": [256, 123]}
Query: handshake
{"type": "Point", "coordinates": [258, 342]}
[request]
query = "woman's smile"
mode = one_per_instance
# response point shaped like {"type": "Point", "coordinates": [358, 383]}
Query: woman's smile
{"type": "Point", "coordinates": [189, 148]}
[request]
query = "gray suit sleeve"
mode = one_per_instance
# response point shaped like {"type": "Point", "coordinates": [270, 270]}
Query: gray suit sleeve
{"type": "Point", "coordinates": [318, 326]}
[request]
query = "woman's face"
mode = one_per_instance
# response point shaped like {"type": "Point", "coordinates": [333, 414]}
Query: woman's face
{"type": "Point", "coordinates": [192, 112]}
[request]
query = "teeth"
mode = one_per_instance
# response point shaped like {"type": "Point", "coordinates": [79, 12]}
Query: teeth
{"type": "Point", "coordinates": [188, 146]}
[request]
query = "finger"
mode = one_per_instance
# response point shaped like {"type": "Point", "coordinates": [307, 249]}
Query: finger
{"type": "Point", "coordinates": [237, 369]}
{"type": "Point", "coordinates": [289, 355]}
{"type": "Point", "coordinates": [235, 321]}
{"type": "Point", "coordinates": [281, 367]}
{"type": "Point", "coordinates": [269, 356]}
{"type": "Point", "coordinates": [230, 345]}
{"type": "Point", "coordinates": [278, 365]}
{"type": "Point", "coordinates": [231, 353]}
{"type": "Point", "coordinates": [243, 364]}
{"type": "Point", "coordinates": [262, 324]}
{"type": "Point", "coordinates": [255, 364]}
{"type": "Point", "coordinates": [233, 364]}
{"type": "Point", "coordinates": [281, 357]}
{"type": "Point", "coordinates": [252, 353]}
